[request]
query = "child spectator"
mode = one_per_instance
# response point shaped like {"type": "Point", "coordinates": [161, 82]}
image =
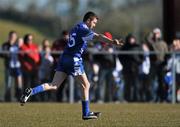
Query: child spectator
{"type": "Point", "coordinates": [46, 65]}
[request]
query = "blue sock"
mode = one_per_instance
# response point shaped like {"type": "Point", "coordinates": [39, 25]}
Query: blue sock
{"type": "Point", "coordinates": [37, 89]}
{"type": "Point", "coordinates": [85, 108]}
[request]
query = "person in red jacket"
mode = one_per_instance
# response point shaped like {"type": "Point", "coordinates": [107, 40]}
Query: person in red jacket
{"type": "Point", "coordinates": [30, 59]}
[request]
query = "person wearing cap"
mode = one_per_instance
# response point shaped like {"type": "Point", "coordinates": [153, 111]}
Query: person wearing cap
{"type": "Point", "coordinates": [106, 64]}
{"type": "Point", "coordinates": [158, 62]}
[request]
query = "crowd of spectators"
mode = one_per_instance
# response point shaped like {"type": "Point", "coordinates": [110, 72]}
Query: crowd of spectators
{"type": "Point", "coordinates": [142, 74]}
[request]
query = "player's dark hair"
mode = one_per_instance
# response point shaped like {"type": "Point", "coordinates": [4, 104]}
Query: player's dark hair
{"type": "Point", "coordinates": [89, 15]}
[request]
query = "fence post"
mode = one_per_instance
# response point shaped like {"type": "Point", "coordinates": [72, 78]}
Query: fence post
{"type": "Point", "coordinates": [71, 89]}
{"type": "Point", "coordinates": [174, 79]}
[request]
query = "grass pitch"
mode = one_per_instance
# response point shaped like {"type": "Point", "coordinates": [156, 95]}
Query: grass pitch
{"type": "Point", "coordinates": [69, 115]}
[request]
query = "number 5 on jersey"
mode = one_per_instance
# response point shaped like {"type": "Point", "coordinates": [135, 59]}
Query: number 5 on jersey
{"type": "Point", "coordinates": [71, 42]}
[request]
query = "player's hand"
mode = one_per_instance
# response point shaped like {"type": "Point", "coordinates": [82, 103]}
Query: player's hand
{"type": "Point", "coordinates": [119, 42]}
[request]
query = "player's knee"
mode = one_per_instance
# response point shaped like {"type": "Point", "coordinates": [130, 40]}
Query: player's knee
{"type": "Point", "coordinates": [55, 83]}
{"type": "Point", "coordinates": [86, 86]}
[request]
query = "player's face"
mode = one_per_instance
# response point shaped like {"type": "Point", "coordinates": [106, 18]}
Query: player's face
{"type": "Point", "coordinates": [92, 23]}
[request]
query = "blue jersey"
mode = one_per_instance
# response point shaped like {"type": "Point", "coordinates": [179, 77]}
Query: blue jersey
{"type": "Point", "coordinates": [70, 61]}
{"type": "Point", "coordinates": [79, 36]}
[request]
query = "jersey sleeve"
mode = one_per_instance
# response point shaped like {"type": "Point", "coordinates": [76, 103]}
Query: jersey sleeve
{"type": "Point", "coordinates": [87, 35]}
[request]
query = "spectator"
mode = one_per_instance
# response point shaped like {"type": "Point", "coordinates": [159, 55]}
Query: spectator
{"type": "Point", "coordinates": [145, 86]}
{"type": "Point", "coordinates": [158, 62]}
{"type": "Point", "coordinates": [20, 42]}
{"type": "Point", "coordinates": [118, 82]}
{"type": "Point", "coordinates": [45, 66]}
{"type": "Point", "coordinates": [59, 46]}
{"type": "Point", "coordinates": [12, 38]}
{"type": "Point", "coordinates": [106, 65]}
{"type": "Point", "coordinates": [15, 68]}
{"type": "Point", "coordinates": [30, 60]}
{"type": "Point", "coordinates": [131, 65]}
{"type": "Point", "coordinates": [168, 78]}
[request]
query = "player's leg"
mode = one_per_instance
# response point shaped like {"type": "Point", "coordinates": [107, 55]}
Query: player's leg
{"type": "Point", "coordinates": [57, 80]}
{"type": "Point", "coordinates": [86, 114]}
{"type": "Point", "coordinates": [82, 79]}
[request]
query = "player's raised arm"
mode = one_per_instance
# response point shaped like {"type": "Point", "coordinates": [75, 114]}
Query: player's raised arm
{"type": "Point", "coordinates": [103, 38]}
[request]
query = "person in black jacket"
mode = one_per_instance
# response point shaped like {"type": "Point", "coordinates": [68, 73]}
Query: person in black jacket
{"type": "Point", "coordinates": [131, 64]}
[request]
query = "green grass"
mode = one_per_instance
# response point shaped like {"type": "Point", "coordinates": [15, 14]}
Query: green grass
{"type": "Point", "coordinates": [69, 115]}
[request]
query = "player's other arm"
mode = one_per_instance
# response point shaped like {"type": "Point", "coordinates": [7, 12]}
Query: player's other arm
{"type": "Point", "coordinates": [103, 38]}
